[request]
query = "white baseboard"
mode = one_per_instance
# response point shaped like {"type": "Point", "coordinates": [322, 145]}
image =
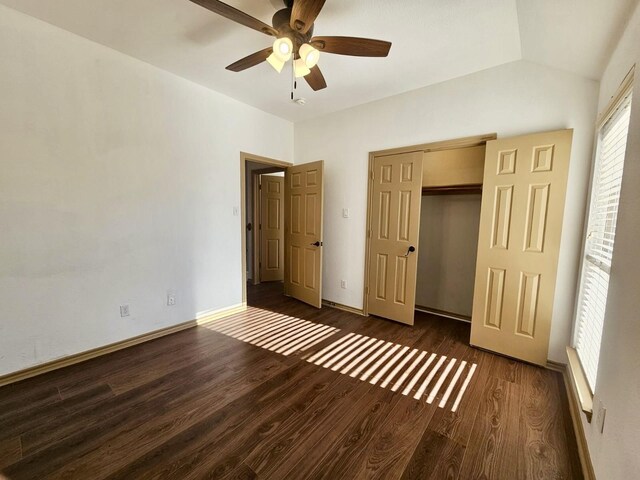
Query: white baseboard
{"type": "Point", "coordinates": [202, 319]}
{"type": "Point", "coordinates": [346, 308]}
{"type": "Point", "coordinates": [576, 411]}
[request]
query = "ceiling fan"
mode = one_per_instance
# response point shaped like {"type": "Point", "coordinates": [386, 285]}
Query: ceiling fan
{"type": "Point", "coordinates": [293, 29]}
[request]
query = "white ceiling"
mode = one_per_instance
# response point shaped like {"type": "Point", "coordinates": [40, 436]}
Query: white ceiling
{"type": "Point", "coordinates": [433, 41]}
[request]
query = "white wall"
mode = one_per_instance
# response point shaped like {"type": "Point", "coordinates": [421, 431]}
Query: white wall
{"type": "Point", "coordinates": [511, 99]}
{"type": "Point", "coordinates": [447, 252]}
{"type": "Point", "coordinates": [117, 184]}
{"type": "Point", "coordinates": [615, 453]}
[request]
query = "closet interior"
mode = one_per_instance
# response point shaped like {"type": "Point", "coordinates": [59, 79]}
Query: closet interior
{"type": "Point", "coordinates": [449, 224]}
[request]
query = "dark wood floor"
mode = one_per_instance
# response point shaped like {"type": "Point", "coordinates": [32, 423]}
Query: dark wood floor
{"type": "Point", "coordinates": [200, 404]}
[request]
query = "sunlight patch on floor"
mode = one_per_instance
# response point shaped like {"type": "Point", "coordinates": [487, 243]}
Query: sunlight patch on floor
{"type": "Point", "coordinates": [422, 375]}
{"type": "Point", "coordinates": [390, 365]}
{"type": "Point", "coordinates": [273, 331]}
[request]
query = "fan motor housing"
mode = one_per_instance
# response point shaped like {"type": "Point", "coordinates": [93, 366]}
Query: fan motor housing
{"type": "Point", "coordinates": [281, 22]}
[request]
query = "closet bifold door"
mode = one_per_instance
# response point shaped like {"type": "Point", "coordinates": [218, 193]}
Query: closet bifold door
{"type": "Point", "coordinates": [521, 216]}
{"type": "Point", "coordinates": [396, 184]}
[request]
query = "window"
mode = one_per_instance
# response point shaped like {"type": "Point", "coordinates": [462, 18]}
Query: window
{"type": "Point", "coordinates": [601, 230]}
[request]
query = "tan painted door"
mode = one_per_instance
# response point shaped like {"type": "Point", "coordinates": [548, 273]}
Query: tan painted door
{"type": "Point", "coordinates": [271, 228]}
{"type": "Point", "coordinates": [524, 188]}
{"type": "Point", "coordinates": [303, 232]}
{"type": "Point", "coordinates": [396, 185]}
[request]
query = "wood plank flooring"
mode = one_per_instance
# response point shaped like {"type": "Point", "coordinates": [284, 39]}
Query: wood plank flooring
{"type": "Point", "coordinates": [203, 404]}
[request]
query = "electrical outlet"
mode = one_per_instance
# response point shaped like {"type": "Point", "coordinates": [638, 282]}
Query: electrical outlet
{"type": "Point", "coordinates": [124, 310]}
{"type": "Point", "coordinates": [343, 283]}
{"type": "Point", "coordinates": [600, 414]}
{"type": "Point", "coordinates": [171, 299]}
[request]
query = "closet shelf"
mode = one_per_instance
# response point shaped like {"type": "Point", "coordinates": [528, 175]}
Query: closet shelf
{"type": "Point", "coordinates": [453, 190]}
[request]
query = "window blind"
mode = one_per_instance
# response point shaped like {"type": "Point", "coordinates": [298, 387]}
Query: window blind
{"type": "Point", "coordinates": [601, 230]}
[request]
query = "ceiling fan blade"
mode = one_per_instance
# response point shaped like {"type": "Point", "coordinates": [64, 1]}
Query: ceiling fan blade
{"type": "Point", "coordinates": [358, 47]}
{"type": "Point", "coordinates": [250, 60]}
{"type": "Point", "coordinates": [237, 16]}
{"type": "Point", "coordinates": [304, 13]}
{"type": "Point", "coordinates": [315, 79]}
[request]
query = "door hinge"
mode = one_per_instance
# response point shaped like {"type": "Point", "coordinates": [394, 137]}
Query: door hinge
{"type": "Point", "coordinates": [260, 187]}
{"type": "Point", "coordinates": [366, 290]}
{"type": "Point", "coordinates": [368, 233]}
{"type": "Point", "coordinates": [260, 227]}
{"type": "Point", "coordinates": [371, 175]}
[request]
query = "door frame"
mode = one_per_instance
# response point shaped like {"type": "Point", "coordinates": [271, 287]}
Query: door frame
{"type": "Point", "coordinates": [269, 163]}
{"type": "Point", "coordinates": [463, 142]}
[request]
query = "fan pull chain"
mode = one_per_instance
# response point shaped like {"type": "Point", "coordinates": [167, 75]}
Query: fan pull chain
{"type": "Point", "coordinates": [294, 82]}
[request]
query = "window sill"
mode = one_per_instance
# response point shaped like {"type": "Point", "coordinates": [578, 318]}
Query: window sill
{"type": "Point", "coordinates": [579, 383]}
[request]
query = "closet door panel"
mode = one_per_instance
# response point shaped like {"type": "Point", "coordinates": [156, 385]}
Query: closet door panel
{"type": "Point", "coordinates": [519, 240]}
{"type": "Point", "coordinates": [494, 298]}
{"type": "Point", "coordinates": [501, 217]}
{"type": "Point", "coordinates": [395, 216]}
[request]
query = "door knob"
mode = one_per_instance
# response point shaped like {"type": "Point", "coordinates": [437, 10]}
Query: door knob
{"type": "Point", "coordinates": [410, 250]}
{"type": "Point", "coordinates": [317, 243]}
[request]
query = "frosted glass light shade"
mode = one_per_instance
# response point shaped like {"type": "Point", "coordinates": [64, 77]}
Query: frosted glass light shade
{"type": "Point", "coordinates": [300, 68]}
{"type": "Point", "coordinates": [310, 55]}
{"type": "Point", "coordinates": [275, 62]}
{"type": "Point", "coordinates": [283, 48]}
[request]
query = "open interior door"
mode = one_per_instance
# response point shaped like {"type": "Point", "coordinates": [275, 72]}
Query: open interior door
{"type": "Point", "coordinates": [271, 228]}
{"type": "Point", "coordinates": [525, 180]}
{"type": "Point", "coordinates": [396, 186]}
{"type": "Point", "coordinates": [303, 232]}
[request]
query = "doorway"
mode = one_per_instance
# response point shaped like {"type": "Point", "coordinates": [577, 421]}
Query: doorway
{"type": "Point", "coordinates": [281, 221]}
{"type": "Point", "coordinates": [255, 171]}
{"type": "Point", "coordinates": [264, 224]}
{"type": "Point", "coordinates": [401, 182]}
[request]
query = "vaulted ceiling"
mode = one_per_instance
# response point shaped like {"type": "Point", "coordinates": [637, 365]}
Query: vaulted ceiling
{"type": "Point", "coordinates": [433, 41]}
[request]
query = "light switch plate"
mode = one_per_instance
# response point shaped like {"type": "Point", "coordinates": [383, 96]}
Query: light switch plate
{"type": "Point", "coordinates": [171, 299]}
{"type": "Point", "coordinates": [345, 213]}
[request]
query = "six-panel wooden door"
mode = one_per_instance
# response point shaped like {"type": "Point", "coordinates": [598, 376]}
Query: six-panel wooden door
{"type": "Point", "coordinates": [271, 228]}
{"type": "Point", "coordinates": [396, 184]}
{"type": "Point", "coordinates": [520, 228]}
{"type": "Point", "coordinates": [303, 232]}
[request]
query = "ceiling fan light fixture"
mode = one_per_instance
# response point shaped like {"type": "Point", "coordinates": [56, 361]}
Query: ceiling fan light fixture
{"type": "Point", "coordinates": [310, 55]}
{"type": "Point", "coordinates": [300, 68]}
{"type": "Point", "coordinates": [283, 48]}
{"type": "Point", "coordinates": [275, 62]}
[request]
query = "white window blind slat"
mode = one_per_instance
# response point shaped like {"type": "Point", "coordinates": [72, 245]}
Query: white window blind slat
{"type": "Point", "coordinates": [599, 244]}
